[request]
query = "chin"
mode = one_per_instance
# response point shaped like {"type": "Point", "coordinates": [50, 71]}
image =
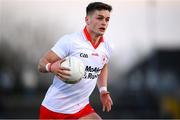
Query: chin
{"type": "Point", "coordinates": [101, 33]}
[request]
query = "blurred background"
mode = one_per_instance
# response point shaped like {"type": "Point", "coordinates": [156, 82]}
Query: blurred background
{"type": "Point", "coordinates": [144, 76]}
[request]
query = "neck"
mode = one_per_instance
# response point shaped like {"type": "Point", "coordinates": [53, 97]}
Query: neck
{"type": "Point", "coordinates": [95, 38]}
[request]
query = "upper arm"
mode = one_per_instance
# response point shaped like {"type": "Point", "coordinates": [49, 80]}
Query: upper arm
{"type": "Point", "coordinates": [62, 48]}
{"type": "Point", "coordinates": [59, 51]}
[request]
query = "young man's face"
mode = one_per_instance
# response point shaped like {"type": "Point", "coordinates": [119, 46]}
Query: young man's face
{"type": "Point", "coordinates": [97, 22]}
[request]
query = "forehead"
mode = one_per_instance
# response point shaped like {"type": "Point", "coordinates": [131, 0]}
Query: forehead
{"type": "Point", "coordinates": [104, 13]}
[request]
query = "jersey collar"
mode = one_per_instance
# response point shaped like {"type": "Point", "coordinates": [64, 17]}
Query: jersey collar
{"type": "Point", "coordinates": [90, 40]}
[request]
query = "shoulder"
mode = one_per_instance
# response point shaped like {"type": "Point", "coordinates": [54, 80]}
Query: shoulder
{"type": "Point", "coordinates": [108, 45]}
{"type": "Point", "coordinates": [73, 35]}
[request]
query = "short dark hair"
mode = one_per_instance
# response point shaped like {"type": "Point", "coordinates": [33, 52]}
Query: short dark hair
{"type": "Point", "coordinates": [97, 6]}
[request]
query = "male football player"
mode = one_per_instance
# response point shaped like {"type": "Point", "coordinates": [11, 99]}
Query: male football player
{"type": "Point", "coordinates": [71, 101]}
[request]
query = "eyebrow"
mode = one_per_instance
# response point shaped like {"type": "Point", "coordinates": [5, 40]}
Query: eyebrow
{"type": "Point", "coordinates": [102, 16]}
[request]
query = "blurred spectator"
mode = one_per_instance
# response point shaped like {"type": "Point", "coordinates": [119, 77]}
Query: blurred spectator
{"type": "Point", "coordinates": [7, 80]}
{"type": "Point", "coordinates": [29, 81]}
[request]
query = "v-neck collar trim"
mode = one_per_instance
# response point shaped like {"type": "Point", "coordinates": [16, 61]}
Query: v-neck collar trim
{"type": "Point", "coordinates": [90, 40]}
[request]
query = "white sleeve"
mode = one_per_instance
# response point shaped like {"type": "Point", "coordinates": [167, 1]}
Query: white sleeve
{"type": "Point", "coordinates": [109, 49]}
{"type": "Point", "coordinates": [62, 47]}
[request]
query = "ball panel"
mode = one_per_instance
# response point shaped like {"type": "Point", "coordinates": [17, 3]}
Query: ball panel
{"type": "Point", "coordinates": [76, 67]}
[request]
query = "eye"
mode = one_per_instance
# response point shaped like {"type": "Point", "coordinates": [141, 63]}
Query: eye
{"type": "Point", "coordinates": [100, 18]}
{"type": "Point", "coordinates": [107, 19]}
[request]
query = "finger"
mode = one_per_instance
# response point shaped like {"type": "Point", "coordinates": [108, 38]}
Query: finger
{"type": "Point", "coordinates": [65, 68]}
{"type": "Point", "coordinates": [109, 107]}
{"type": "Point", "coordinates": [66, 73]}
{"type": "Point", "coordinates": [111, 101]}
{"type": "Point", "coordinates": [59, 77]}
{"type": "Point", "coordinates": [64, 77]}
{"type": "Point", "coordinates": [106, 107]}
{"type": "Point", "coordinates": [103, 108]}
{"type": "Point", "coordinates": [62, 60]}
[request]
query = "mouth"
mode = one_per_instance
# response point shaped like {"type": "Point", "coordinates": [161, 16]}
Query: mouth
{"type": "Point", "coordinates": [102, 29]}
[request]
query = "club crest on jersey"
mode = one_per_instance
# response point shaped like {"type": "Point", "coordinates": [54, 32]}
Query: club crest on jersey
{"type": "Point", "coordinates": [83, 55]}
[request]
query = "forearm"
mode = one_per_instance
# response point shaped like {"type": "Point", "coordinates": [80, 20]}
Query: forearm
{"type": "Point", "coordinates": [104, 94]}
{"type": "Point", "coordinates": [49, 57]}
{"type": "Point", "coordinates": [103, 77]}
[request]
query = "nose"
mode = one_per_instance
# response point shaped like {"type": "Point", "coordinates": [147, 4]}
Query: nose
{"type": "Point", "coordinates": [104, 23]}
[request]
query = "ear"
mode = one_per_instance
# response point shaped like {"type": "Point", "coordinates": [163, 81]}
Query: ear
{"type": "Point", "coordinates": [87, 20]}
